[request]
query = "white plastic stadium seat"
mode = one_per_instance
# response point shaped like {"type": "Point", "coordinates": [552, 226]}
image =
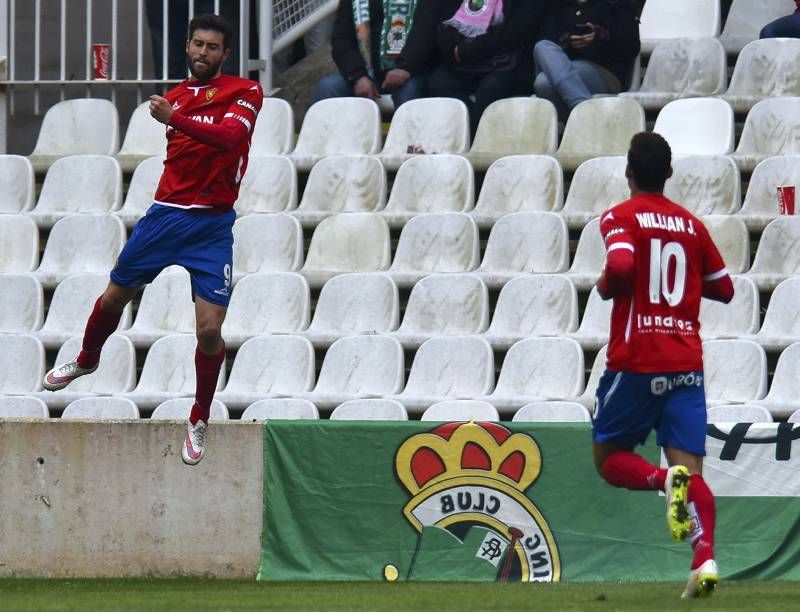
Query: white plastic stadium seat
{"type": "Point", "coordinates": [79, 184]}
{"type": "Point", "coordinates": [22, 362]}
{"type": "Point", "coordinates": [80, 243]}
{"type": "Point", "coordinates": [772, 127]}
{"type": "Point", "coordinates": [735, 371]}
{"type": "Point", "coordinates": [794, 417]}
{"type": "Point", "coordinates": [17, 184]}
{"type": "Point", "coordinates": [525, 243]}
{"type": "Point", "coordinates": [370, 410]}
{"type": "Point", "coordinates": [588, 398]}
{"type": "Point", "coordinates": [268, 367]}
{"type": "Point", "coordinates": [353, 242]}
{"type": "Point", "coordinates": [662, 19]}
{"type": "Point", "coordinates": [168, 372]}
{"type": "Point", "coordinates": [274, 130]}
{"type": "Point", "coordinates": [178, 409]}
{"type": "Point", "coordinates": [145, 137]}
{"type": "Point", "coordinates": [738, 413]}
{"type": "Point", "coordinates": [682, 68]}
{"type": "Point", "coordinates": [784, 392]}
{"type": "Point", "coordinates": [738, 318]}
{"type": "Point", "coordinates": [460, 410]}
{"type": "Point", "coordinates": [266, 243]}
{"type": "Point", "coordinates": [781, 326]}
{"type": "Point", "coordinates": [555, 411]}
{"type": "Point", "coordinates": [746, 18]}
{"type": "Point", "coordinates": [100, 409]}
{"type": "Point", "coordinates": [764, 69]}
{"type": "Point", "coordinates": [280, 408]}
{"type": "Point", "coordinates": [141, 191]}
{"type": "Point", "coordinates": [435, 242]}
{"type": "Point", "coordinates": [430, 125]}
{"type": "Point", "coordinates": [70, 307]}
{"type": "Point", "coordinates": [342, 183]}
{"type": "Point", "coordinates": [444, 305]}
{"type": "Point", "coordinates": [338, 126]}
{"type": "Point", "coordinates": [166, 308]}
{"type": "Point", "coordinates": [23, 407]}
{"type": "Point", "coordinates": [778, 254]}
{"type": "Point", "coordinates": [590, 257]}
{"type": "Point", "coordinates": [355, 303]}
{"type": "Point", "coordinates": [730, 236]}
{"type": "Point", "coordinates": [597, 185]}
{"type": "Point", "coordinates": [519, 183]}
{"type": "Point", "coordinates": [705, 184]}
{"type": "Point", "coordinates": [269, 185]}
{"type": "Point", "coordinates": [115, 374]}
{"type": "Point", "coordinates": [596, 322]}
{"type": "Point", "coordinates": [522, 126]}
{"type": "Point", "coordinates": [74, 127]}
{"type": "Point", "coordinates": [538, 369]}
{"type": "Point", "coordinates": [21, 304]}
{"type": "Point", "coordinates": [19, 236]}
{"type": "Point", "coordinates": [761, 201]}
{"type": "Point", "coordinates": [358, 367]}
{"type": "Point", "coordinates": [599, 127]}
{"type": "Point", "coordinates": [697, 126]}
{"type": "Point", "coordinates": [429, 184]}
{"type": "Point", "coordinates": [267, 303]}
{"type": "Point", "coordinates": [533, 305]}
{"type": "Point", "coordinates": [448, 367]}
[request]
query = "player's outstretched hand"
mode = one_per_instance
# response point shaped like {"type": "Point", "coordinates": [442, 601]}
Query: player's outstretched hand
{"type": "Point", "coordinates": [160, 109]}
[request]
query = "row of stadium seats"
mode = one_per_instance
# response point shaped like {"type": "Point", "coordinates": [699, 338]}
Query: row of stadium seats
{"type": "Point", "coordinates": [597, 127]}
{"type": "Point", "coordinates": [705, 185]}
{"type": "Point", "coordinates": [368, 303]}
{"type": "Point", "coordinates": [114, 408]}
{"type": "Point", "coordinates": [363, 366]}
{"type": "Point", "coordinates": [519, 243]}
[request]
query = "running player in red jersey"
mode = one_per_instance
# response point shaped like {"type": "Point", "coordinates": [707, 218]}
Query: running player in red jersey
{"type": "Point", "coordinates": [210, 119]}
{"type": "Point", "coordinates": [661, 261]}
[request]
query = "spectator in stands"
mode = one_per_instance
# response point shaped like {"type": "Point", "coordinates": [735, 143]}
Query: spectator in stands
{"type": "Point", "coordinates": [485, 48]}
{"type": "Point", "coordinates": [785, 27]}
{"type": "Point", "coordinates": [380, 46]}
{"type": "Point", "coordinates": [588, 48]}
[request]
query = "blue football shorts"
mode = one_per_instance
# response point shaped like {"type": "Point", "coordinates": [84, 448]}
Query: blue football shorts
{"type": "Point", "coordinates": [630, 405]}
{"type": "Point", "coordinates": [201, 241]}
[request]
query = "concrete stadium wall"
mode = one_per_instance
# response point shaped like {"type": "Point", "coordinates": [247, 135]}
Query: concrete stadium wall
{"type": "Point", "coordinates": [114, 499]}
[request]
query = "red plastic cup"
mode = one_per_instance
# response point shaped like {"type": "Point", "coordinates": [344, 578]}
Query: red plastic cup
{"type": "Point", "coordinates": [786, 199]}
{"type": "Point", "coordinates": [101, 60]}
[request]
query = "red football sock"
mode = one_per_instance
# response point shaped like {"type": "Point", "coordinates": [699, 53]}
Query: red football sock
{"type": "Point", "coordinates": [207, 372]}
{"type": "Point", "coordinates": [99, 327]}
{"type": "Point", "coordinates": [631, 471]}
{"type": "Point", "coordinates": [704, 515]}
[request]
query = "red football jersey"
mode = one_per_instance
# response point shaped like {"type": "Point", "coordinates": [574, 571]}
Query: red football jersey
{"type": "Point", "coordinates": [198, 175]}
{"type": "Point", "coordinates": [655, 328]}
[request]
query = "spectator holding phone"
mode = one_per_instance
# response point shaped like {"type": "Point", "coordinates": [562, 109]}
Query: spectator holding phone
{"type": "Point", "coordinates": [588, 48]}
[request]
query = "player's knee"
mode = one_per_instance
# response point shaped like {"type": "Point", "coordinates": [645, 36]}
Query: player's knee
{"type": "Point", "coordinates": [114, 301]}
{"type": "Point", "coordinates": [209, 337]}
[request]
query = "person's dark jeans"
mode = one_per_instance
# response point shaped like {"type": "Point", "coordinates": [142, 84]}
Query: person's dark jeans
{"type": "Point", "coordinates": [336, 86]}
{"type": "Point", "coordinates": [447, 82]}
{"type": "Point", "coordinates": [785, 27]}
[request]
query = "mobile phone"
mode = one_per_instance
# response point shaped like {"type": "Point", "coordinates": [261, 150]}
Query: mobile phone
{"type": "Point", "coordinates": [581, 29]}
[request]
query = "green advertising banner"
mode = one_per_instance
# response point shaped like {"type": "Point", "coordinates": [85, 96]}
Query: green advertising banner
{"type": "Point", "coordinates": [509, 502]}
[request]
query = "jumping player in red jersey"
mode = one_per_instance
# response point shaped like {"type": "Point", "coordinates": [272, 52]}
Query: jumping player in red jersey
{"type": "Point", "coordinates": [661, 261]}
{"type": "Point", "coordinates": [210, 119]}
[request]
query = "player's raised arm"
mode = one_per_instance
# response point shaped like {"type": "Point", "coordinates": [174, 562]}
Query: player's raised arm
{"type": "Point", "coordinates": [618, 276]}
{"type": "Point", "coordinates": [235, 128]}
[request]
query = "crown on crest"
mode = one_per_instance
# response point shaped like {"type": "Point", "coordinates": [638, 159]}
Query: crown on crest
{"type": "Point", "coordinates": [475, 450]}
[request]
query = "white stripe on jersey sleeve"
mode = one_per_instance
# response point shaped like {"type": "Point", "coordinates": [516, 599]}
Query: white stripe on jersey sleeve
{"type": "Point", "coordinates": [240, 118]}
{"type": "Point", "coordinates": [716, 275]}
{"type": "Point", "coordinates": [621, 245]}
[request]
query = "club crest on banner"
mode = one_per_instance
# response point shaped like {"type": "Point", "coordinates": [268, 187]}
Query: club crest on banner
{"type": "Point", "coordinates": [467, 483]}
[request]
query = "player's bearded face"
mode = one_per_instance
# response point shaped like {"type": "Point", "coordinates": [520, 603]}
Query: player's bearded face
{"type": "Point", "coordinates": [205, 54]}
